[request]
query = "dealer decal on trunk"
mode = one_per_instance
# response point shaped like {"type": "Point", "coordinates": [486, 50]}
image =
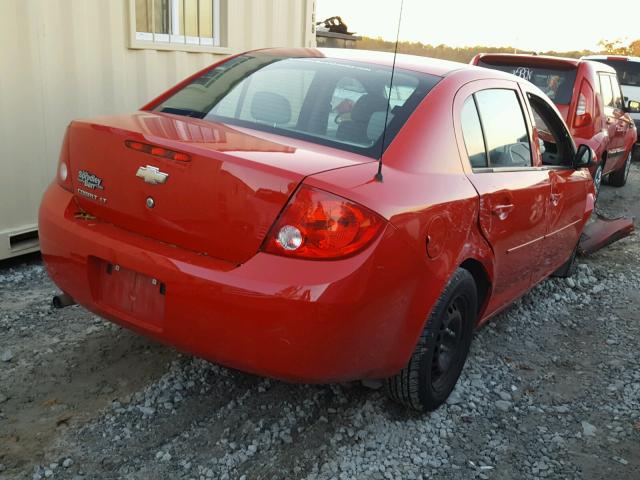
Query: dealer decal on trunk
{"type": "Point", "coordinates": [90, 180]}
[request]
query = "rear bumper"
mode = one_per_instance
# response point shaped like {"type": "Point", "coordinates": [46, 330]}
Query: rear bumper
{"type": "Point", "coordinates": [296, 320]}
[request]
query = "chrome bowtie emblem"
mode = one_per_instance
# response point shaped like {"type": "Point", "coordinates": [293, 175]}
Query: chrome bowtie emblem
{"type": "Point", "coordinates": [152, 175]}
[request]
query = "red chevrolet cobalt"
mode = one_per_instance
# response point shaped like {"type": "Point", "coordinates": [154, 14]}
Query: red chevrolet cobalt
{"type": "Point", "coordinates": [241, 216]}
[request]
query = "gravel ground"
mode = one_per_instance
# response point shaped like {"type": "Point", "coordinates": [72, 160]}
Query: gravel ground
{"type": "Point", "coordinates": [551, 390]}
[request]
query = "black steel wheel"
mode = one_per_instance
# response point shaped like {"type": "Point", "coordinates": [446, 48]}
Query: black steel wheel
{"type": "Point", "coordinates": [440, 354]}
{"type": "Point", "coordinates": [597, 179]}
{"type": "Point", "coordinates": [619, 177]}
{"type": "Point", "coordinates": [447, 349]}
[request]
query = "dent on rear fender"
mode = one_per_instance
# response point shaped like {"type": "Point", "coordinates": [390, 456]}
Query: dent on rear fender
{"type": "Point", "coordinates": [460, 242]}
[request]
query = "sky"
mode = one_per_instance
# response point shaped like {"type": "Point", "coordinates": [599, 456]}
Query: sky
{"type": "Point", "coordinates": [538, 25]}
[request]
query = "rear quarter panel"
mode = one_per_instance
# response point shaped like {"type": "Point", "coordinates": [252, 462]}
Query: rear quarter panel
{"type": "Point", "coordinates": [426, 197]}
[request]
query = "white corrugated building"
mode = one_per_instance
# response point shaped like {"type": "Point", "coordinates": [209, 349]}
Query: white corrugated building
{"type": "Point", "coordinates": [66, 59]}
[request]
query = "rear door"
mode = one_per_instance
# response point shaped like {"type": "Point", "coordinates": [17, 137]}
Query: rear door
{"type": "Point", "coordinates": [514, 193]}
{"type": "Point", "coordinates": [623, 120]}
{"type": "Point", "coordinates": [615, 117]}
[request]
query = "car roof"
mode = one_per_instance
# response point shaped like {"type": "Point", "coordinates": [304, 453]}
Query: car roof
{"type": "Point", "coordinates": [532, 59]}
{"type": "Point", "coordinates": [548, 61]}
{"type": "Point", "coordinates": [417, 63]}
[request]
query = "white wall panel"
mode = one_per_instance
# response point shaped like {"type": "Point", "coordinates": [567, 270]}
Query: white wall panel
{"type": "Point", "coordinates": [66, 59]}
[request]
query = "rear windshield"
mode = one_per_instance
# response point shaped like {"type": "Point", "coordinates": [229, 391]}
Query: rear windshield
{"type": "Point", "coordinates": [332, 102]}
{"type": "Point", "coordinates": [556, 83]}
{"type": "Point", "coordinates": [628, 72]}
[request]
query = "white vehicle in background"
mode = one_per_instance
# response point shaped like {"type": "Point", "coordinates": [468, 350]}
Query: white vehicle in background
{"type": "Point", "coordinates": [628, 70]}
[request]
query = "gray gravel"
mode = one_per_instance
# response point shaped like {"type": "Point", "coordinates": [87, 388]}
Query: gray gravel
{"type": "Point", "coordinates": [551, 390]}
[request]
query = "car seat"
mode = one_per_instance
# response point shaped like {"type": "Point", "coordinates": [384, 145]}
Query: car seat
{"type": "Point", "coordinates": [355, 130]}
{"type": "Point", "coordinates": [271, 108]}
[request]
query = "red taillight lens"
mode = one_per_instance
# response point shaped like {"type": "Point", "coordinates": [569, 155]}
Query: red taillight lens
{"type": "Point", "coordinates": [584, 107]}
{"type": "Point", "coordinates": [319, 225]}
{"type": "Point", "coordinates": [157, 151]}
{"type": "Point", "coordinates": [63, 174]}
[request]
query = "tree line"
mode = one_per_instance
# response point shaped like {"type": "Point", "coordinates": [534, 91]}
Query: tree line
{"type": "Point", "coordinates": [465, 54]}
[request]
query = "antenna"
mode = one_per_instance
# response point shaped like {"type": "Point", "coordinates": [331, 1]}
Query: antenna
{"type": "Point", "coordinates": [378, 176]}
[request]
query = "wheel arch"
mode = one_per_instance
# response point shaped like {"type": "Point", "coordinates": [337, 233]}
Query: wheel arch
{"type": "Point", "coordinates": [482, 280]}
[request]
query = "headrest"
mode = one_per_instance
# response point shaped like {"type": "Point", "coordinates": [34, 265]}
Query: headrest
{"type": "Point", "coordinates": [271, 108]}
{"type": "Point", "coordinates": [366, 105]}
{"type": "Point", "coordinates": [376, 125]}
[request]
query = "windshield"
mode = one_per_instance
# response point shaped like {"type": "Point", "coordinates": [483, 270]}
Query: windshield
{"type": "Point", "coordinates": [338, 103]}
{"type": "Point", "coordinates": [556, 83]}
{"type": "Point", "coordinates": [628, 72]}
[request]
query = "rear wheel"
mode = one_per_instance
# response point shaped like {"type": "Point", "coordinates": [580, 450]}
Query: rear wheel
{"type": "Point", "coordinates": [619, 177]}
{"type": "Point", "coordinates": [435, 365]}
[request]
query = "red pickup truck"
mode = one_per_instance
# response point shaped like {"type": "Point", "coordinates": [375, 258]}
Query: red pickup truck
{"type": "Point", "coordinates": [589, 97]}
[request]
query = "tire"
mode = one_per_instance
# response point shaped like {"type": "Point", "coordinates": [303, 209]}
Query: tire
{"type": "Point", "coordinates": [432, 372]}
{"type": "Point", "coordinates": [569, 267]}
{"type": "Point", "coordinates": [619, 177]}
{"type": "Point", "coordinates": [636, 153]}
{"type": "Point", "coordinates": [597, 178]}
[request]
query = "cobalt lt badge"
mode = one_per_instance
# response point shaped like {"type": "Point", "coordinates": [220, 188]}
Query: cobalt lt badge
{"type": "Point", "coordinates": [152, 175]}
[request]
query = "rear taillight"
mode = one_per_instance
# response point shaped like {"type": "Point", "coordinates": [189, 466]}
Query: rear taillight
{"type": "Point", "coordinates": [63, 174]}
{"type": "Point", "coordinates": [584, 108]}
{"type": "Point", "coordinates": [582, 105]}
{"type": "Point", "coordinates": [319, 225]}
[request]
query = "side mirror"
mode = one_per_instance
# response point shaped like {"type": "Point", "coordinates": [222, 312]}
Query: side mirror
{"type": "Point", "coordinates": [585, 157]}
{"type": "Point", "coordinates": [633, 106]}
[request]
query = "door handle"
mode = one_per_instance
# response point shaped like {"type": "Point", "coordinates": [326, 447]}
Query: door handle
{"type": "Point", "coordinates": [555, 198]}
{"type": "Point", "coordinates": [502, 211]}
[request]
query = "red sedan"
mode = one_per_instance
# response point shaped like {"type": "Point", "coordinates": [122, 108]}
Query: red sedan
{"type": "Point", "coordinates": [589, 97]}
{"type": "Point", "coordinates": [240, 216]}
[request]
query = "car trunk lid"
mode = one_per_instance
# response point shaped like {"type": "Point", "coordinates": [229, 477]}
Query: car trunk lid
{"type": "Point", "coordinates": [221, 202]}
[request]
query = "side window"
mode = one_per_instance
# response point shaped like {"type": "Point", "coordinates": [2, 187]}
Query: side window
{"type": "Point", "coordinates": [555, 142]}
{"type": "Point", "coordinates": [618, 102]}
{"type": "Point", "coordinates": [472, 133]}
{"type": "Point", "coordinates": [399, 95]}
{"type": "Point", "coordinates": [606, 90]}
{"type": "Point", "coordinates": [504, 128]}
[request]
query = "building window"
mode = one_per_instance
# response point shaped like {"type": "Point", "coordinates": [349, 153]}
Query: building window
{"type": "Point", "coordinates": [176, 24]}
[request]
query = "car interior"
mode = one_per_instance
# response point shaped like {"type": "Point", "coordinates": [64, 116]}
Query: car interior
{"type": "Point", "coordinates": [554, 140]}
{"type": "Point", "coordinates": [511, 155]}
{"type": "Point", "coordinates": [337, 104]}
